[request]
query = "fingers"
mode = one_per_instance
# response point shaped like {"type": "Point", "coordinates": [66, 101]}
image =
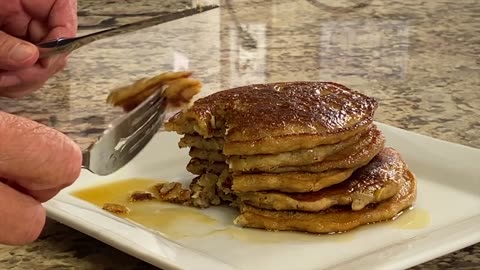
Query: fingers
{"type": "Point", "coordinates": [22, 82]}
{"type": "Point", "coordinates": [37, 158]}
{"type": "Point", "coordinates": [64, 16]}
{"type": "Point", "coordinates": [37, 31]}
{"type": "Point", "coordinates": [52, 19]}
{"type": "Point", "coordinates": [19, 90]}
{"type": "Point", "coordinates": [23, 217]}
{"type": "Point", "coordinates": [39, 9]}
{"type": "Point", "coordinates": [15, 53]}
{"type": "Point", "coordinates": [38, 21]}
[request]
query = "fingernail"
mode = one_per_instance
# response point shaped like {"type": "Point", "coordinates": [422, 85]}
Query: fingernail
{"type": "Point", "coordinates": [9, 80]}
{"type": "Point", "coordinates": [21, 52]}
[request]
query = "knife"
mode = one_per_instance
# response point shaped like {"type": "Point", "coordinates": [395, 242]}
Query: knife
{"type": "Point", "coordinates": [67, 45]}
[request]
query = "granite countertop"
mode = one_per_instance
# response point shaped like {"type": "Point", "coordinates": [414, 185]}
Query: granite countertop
{"type": "Point", "coordinates": [420, 59]}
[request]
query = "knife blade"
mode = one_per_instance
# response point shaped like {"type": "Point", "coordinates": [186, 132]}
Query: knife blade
{"type": "Point", "coordinates": [66, 45]}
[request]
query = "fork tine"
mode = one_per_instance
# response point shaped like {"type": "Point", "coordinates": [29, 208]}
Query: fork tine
{"type": "Point", "coordinates": [134, 119]}
{"type": "Point", "coordinates": [146, 127]}
{"type": "Point", "coordinates": [141, 137]}
{"type": "Point", "coordinates": [108, 154]}
{"type": "Point", "coordinates": [136, 123]}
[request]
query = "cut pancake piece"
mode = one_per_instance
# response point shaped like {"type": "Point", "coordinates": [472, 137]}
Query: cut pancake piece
{"type": "Point", "coordinates": [197, 141]}
{"type": "Point", "coordinates": [199, 166]}
{"type": "Point", "coordinates": [224, 187]}
{"type": "Point", "coordinates": [211, 189]}
{"type": "Point", "coordinates": [293, 158]}
{"type": "Point", "coordinates": [277, 117]}
{"type": "Point", "coordinates": [290, 181]}
{"type": "Point", "coordinates": [178, 89]}
{"type": "Point", "coordinates": [334, 219]}
{"type": "Point", "coordinates": [212, 156]}
{"type": "Point", "coordinates": [379, 180]}
{"type": "Point", "coordinates": [204, 190]}
{"type": "Point", "coordinates": [354, 156]}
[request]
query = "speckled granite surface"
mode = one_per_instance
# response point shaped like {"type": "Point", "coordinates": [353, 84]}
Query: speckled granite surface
{"type": "Point", "coordinates": [421, 59]}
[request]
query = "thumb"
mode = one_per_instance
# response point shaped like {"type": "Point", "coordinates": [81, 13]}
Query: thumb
{"type": "Point", "coordinates": [35, 157]}
{"type": "Point", "coordinates": [16, 53]}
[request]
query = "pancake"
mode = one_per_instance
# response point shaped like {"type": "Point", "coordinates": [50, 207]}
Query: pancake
{"type": "Point", "coordinates": [334, 219]}
{"type": "Point", "coordinates": [211, 189]}
{"type": "Point", "coordinates": [277, 117]}
{"type": "Point", "coordinates": [198, 166]}
{"type": "Point", "coordinates": [352, 157]}
{"type": "Point", "coordinates": [377, 181]}
{"type": "Point", "coordinates": [292, 158]}
{"type": "Point", "coordinates": [224, 187]}
{"type": "Point", "coordinates": [301, 156]}
{"type": "Point", "coordinates": [210, 149]}
{"type": "Point", "coordinates": [178, 89]}
{"type": "Point", "coordinates": [204, 190]}
{"type": "Point", "coordinates": [197, 141]}
{"type": "Point", "coordinates": [212, 156]}
{"type": "Point", "coordinates": [307, 178]}
{"type": "Point", "coordinates": [290, 181]}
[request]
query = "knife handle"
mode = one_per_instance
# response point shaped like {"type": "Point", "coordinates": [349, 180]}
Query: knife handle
{"type": "Point", "coordinates": [67, 45]}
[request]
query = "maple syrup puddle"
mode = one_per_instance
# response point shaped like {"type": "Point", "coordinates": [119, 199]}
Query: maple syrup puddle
{"type": "Point", "coordinates": [168, 219]}
{"type": "Point", "coordinates": [177, 222]}
{"type": "Point", "coordinates": [412, 219]}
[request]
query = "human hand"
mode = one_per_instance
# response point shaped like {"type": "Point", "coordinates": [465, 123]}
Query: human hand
{"type": "Point", "coordinates": [24, 23]}
{"type": "Point", "coordinates": [36, 162]}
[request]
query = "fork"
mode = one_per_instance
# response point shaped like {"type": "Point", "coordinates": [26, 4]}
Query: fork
{"type": "Point", "coordinates": [126, 136]}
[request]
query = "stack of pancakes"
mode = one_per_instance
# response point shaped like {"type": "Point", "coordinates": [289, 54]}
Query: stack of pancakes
{"type": "Point", "coordinates": [300, 156]}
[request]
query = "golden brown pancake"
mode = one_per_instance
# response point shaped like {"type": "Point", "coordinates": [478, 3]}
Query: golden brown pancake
{"type": "Point", "coordinates": [379, 180]}
{"type": "Point", "coordinates": [352, 157]}
{"type": "Point", "coordinates": [307, 178]}
{"type": "Point", "coordinates": [348, 153]}
{"type": "Point", "coordinates": [286, 182]}
{"type": "Point", "coordinates": [198, 166]}
{"type": "Point", "coordinates": [277, 117]}
{"type": "Point", "coordinates": [290, 181]}
{"type": "Point", "coordinates": [334, 219]}
{"type": "Point", "coordinates": [292, 158]}
{"type": "Point", "coordinates": [210, 149]}
{"type": "Point", "coordinates": [177, 86]}
{"type": "Point", "coordinates": [204, 190]}
{"type": "Point", "coordinates": [212, 156]}
{"type": "Point", "coordinates": [211, 189]}
{"type": "Point", "coordinates": [197, 141]}
{"type": "Point", "coordinates": [202, 148]}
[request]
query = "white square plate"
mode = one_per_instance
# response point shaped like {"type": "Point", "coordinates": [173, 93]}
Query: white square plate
{"type": "Point", "coordinates": [448, 178]}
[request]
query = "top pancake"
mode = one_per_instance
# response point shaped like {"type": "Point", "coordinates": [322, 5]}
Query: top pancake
{"type": "Point", "coordinates": [277, 117]}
